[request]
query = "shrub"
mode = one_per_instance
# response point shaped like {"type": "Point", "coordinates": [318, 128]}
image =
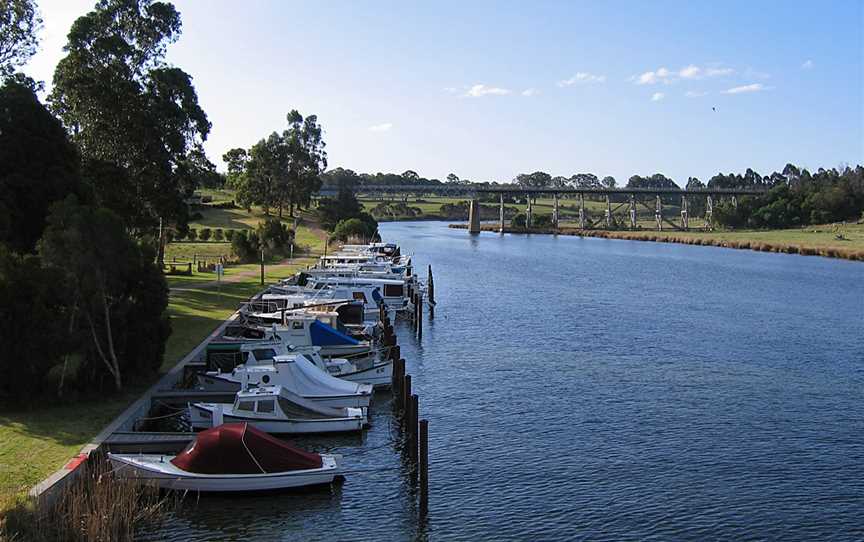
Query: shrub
{"type": "Point", "coordinates": [205, 234]}
{"type": "Point", "coordinates": [218, 234]}
{"type": "Point", "coordinates": [196, 216]}
{"type": "Point", "coordinates": [541, 221]}
{"type": "Point", "coordinates": [192, 235]}
{"type": "Point", "coordinates": [518, 221]}
{"type": "Point", "coordinates": [229, 234]}
{"type": "Point", "coordinates": [353, 227]}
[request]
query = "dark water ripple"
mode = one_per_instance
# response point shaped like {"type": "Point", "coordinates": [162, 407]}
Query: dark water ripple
{"type": "Point", "coordinates": [592, 389]}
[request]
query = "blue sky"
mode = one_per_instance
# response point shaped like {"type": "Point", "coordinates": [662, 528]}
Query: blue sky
{"type": "Point", "coordinates": [488, 90]}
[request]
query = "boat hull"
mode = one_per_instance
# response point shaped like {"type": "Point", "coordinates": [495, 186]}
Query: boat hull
{"type": "Point", "coordinates": [213, 382]}
{"type": "Point", "coordinates": [147, 468]}
{"type": "Point", "coordinates": [201, 417]}
{"type": "Point", "coordinates": [380, 375]}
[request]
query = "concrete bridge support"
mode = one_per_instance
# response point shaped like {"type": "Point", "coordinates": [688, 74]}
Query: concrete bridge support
{"type": "Point", "coordinates": [709, 212]}
{"type": "Point", "coordinates": [658, 213]}
{"type": "Point", "coordinates": [632, 212]}
{"type": "Point", "coordinates": [608, 213]}
{"type": "Point", "coordinates": [581, 211]}
{"type": "Point", "coordinates": [685, 219]}
{"type": "Point", "coordinates": [555, 216]}
{"type": "Point", "coordinates": [528, 213]}
{"type": "Point", "coordinates": [501, 216]}
{"type": "Point", "coordinates": [474, 217]}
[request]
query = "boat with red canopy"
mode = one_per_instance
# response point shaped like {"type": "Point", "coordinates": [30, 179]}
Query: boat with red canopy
{"type": "Point", "coordinates": [231, 457]}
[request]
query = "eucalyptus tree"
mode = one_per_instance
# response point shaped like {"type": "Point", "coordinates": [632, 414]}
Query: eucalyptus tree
{"type": "Point", "coordinates": [306, 160]}
{"type": "Point", "coordinates": [128, 111]}
{"type": "Point", "coordinates": [20, 23]}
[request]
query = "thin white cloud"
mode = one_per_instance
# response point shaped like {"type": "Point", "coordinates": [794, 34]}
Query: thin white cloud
{"type": "Point", "coordinates": [478, 91]}
{"type": "Point", "coordinates": [450, 90]}
{"type": "Point", "coordinates": [667, 76]}
{"type": "Point", "coordinates": [530, 92]}
{"type": "Point", "coordinates": [695, 93]}
{"type": "Point", "coordinates": [384, 127]}
{"type": "Point", "coordinates": [582, 78]}
{"type": "Point", "coordinates": [755, 87]}
{"type": "Point", "coordinates": [657, 96]}
{"type": "Point", "coordinates": [808, 64]}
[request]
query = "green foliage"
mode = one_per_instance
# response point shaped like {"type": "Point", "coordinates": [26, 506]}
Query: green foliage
{"type": "Point", "coordinates": [33, 324]}
{"type": "Point", "coordinates": [19, 23]}
{"type": "Point", "coordinates": [355, 228]}
{"type": "Point", "coordinates": [796, 198]}
{"type": "Point", "coordinates": [332, 211]}
{"type": "Point", "coordinates": [218, 234]}
{"type": "Point", "coordinates": [112, 282]}
{"type": "Point", "coordinates": [395, 209]}
{"type": "Point", "coordinates": [541, 221]}
{"type": "Point", "coordinates": [283, 169]}
{"type": "Point", "coordinates": [114, 69]}
{"type": "Point", "coordinates": [658, 180]}
{"type": "Point", "coordinates": [518, 221]}
{"type": "Point", "coordinates": [192, 234]}
{"type": "Point", "coordinates": [38, 166]}
{"type": "Point", "coordinates": [272, 235]}
{"type": "Point", "coordinates": [229, 234]}
{"type": "Point", "coordinates": [204, 234]}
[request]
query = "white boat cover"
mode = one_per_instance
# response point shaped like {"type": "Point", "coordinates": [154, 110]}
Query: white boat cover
{"type": "Point", "coordinates": [299, 375]}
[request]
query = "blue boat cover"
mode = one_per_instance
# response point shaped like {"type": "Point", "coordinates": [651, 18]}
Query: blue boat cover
{"type": "Point", "coordinates": [324, 335]}
{"type": "Point", "coordinates": [376, 295]}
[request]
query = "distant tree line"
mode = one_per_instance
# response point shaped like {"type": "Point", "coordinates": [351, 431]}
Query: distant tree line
{"type": "Point", "coordinates": [89, 186]}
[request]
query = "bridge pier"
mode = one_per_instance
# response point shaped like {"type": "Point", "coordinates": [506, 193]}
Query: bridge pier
{"type": "Point", "coordinates": [528, 213]}
{"type": "Point", "coordinates": [501, 216]}
{"type": "Point", "coordinates": [709, 212]}
{"type": "Point", "coordinates": [608, 213]}
{"type": "Point", "coordinates": [658, 213]}
{"type": "Point", "coordinates": [685, 219]}
{"type": "Point", "coordinates": [474, 216]}
{"type": "Point", "coordinates": [581, 211]}
{"type": "Point", "coordinates": [555, 216]}
{"type": "Point", "coordinates": [632, 211]}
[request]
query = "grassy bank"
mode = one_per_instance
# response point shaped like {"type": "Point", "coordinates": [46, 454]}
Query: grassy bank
{"type": "Point", "coordinates": [811, 241]}
{"type": "Point", "coordinates": [35, 442]}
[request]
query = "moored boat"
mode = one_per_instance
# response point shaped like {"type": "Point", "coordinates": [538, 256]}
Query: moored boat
{"type": "Point", "coordinates": [231, 457]}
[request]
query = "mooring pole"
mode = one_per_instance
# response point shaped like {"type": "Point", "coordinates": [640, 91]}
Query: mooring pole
{"type": "Point", "coordinates": [406, 394]}
{"type": "Point", "coordinates": [424, 466]}
{"type": "Point", "coordinates": [430, 287]}
{"type": "Point", "coordinates": [419, 317]}
{"type": "Point", "coordinates": [415, 406]}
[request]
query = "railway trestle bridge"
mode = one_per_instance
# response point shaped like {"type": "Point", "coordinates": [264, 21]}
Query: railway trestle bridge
{"type": "Point", "coordinates": [620, 203]}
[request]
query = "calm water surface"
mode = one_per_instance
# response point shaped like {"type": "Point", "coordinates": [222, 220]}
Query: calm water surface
{"type": "Point", "coordinates": [601, 389]}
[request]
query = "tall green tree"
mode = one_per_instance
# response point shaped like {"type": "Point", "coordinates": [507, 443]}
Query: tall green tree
{"type": "Point", "coordinates": [38, 166]}
{"type": "Point", "coordinates": [129, 110]}
{"type": "Point", "coordinates": [19, 25]}
{"type": "Point", "coordinates": [306, 158]}
{"type": "Point", "coordinates": [119, 292]}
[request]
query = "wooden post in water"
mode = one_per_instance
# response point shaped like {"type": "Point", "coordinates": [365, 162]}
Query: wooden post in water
{"type": "Point", "coordinates": [419, 317]}
{"type": "Point", "coordinates": [406, 395]}
{"type": "Point", "coordinates": [412, 432]}
{"type": "Point", "coordinates": [430, 287]}
{"type": "Point", "coordinates": [424, 466]}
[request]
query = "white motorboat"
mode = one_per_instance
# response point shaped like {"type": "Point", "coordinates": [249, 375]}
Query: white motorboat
{"type": "Point", "coordinates": [276, 410]}
{"type": "Point", "coordinates": [295, 373]}
{"type": "Point", "coordinates": [224, 356]}
{"type": "Point", "coordinates": [302, 330]}
{"type": "Point", "coordinates": [231, 457]}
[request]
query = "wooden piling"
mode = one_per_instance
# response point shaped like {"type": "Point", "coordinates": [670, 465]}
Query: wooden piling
{"type": "Point", "coordinates": [423, 465]}
{"type": "Point", "coordinates": [406, 396]}
{"type": "Point", "coordinates": [419, 317]}
{"type": "Point", "coordinates": [412, 429]}
{"type": "Point", "coordinates": [395, 352]}
{"type": "Point", "coordinates": [430, 287]}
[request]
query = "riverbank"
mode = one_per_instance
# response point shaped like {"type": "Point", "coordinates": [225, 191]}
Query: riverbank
{"type": "Point", "coordinates": [37, 441]}
{"type": "Point", "coordinates": [809, 241]}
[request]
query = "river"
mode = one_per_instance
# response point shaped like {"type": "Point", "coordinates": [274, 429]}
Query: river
{"type": "Point", "coordinates": [602, 389]}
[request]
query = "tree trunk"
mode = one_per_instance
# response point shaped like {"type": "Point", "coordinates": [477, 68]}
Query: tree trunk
{"type": "Point", "coordinates": [117, 381]}
{"type": "Point", "coordinates": [66, 357]}
{"type": "Point", "coordinates": [111, 368]}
